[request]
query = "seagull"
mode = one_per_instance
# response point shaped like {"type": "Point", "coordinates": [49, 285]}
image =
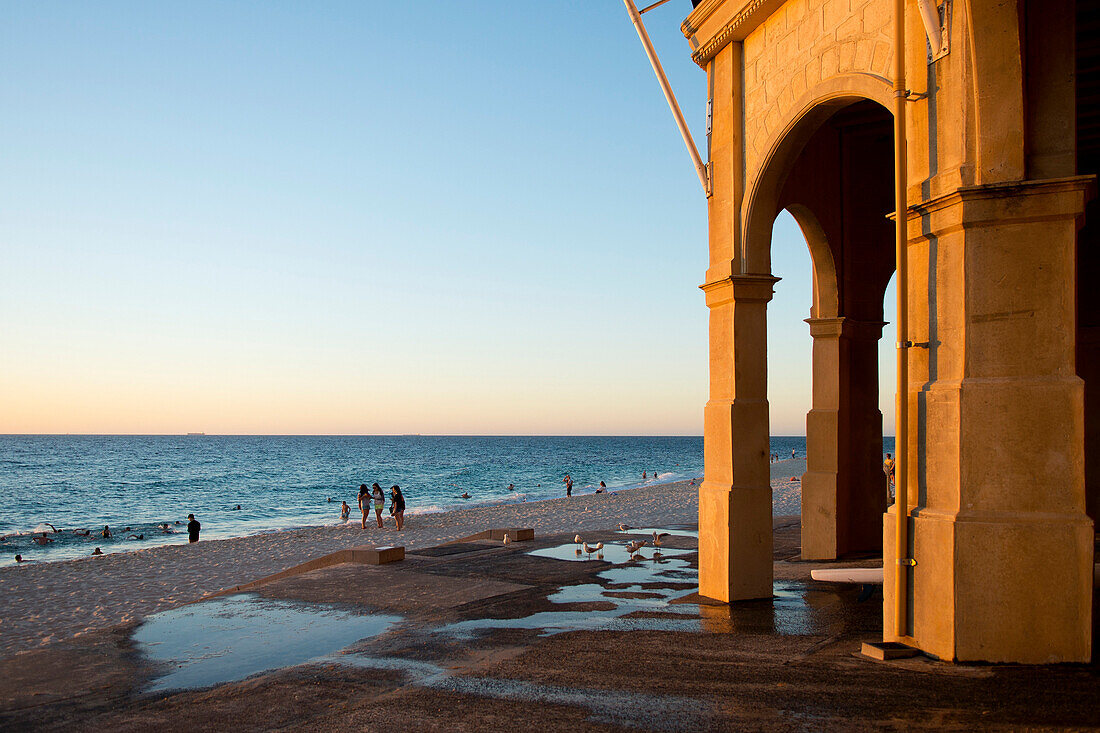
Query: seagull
{"type": "Point", "coordinates": [590, 549]}
{"type": "Point", "coordinates": [657, 538]}
{"type": "Point", "coordinates": [634, 546]}
{"type": "Point", "coordinates": [624, 527]}
{"type": "Point", "coordinates": [578, 539]}
{"type": "Point", "coordinates": [507, 539]}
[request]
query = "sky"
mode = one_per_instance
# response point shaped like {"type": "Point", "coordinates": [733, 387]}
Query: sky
{"type": "Point", "coordinates": [360, 218]}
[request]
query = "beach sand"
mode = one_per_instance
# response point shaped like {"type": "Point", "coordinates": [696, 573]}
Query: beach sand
{"type": "Point", "coordinates": [47, 602]}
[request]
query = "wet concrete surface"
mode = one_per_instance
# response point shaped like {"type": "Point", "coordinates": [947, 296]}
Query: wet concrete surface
{"type": "Point", "coordinates": [527, 634]}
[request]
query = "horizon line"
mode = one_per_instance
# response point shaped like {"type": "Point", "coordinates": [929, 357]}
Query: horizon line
{"type": "Point", "coordinates": [372, 435]}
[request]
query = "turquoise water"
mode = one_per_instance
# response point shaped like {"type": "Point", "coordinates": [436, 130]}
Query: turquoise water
{"type": "Point", "coordinates": [280, 482]}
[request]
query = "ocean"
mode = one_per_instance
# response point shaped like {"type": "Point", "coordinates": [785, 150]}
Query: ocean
{"type": "Point", "coordinates": [135, 483]}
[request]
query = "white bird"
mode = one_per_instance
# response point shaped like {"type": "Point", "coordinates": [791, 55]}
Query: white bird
{"type": "Point", "coordinates": [590, 549]}
{"type": "Point", "coordinates": [657, 538]}
{"type": "Point", "coordinates": [507, 539]}
{"type": "Point", "coordinates": [624, 527]}
{"type": "Point", "coordinates": [578, 539]}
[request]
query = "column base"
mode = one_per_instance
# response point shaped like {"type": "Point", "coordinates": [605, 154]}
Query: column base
{"type": "Point", "coordinates": [735, 542]}
{"type": "Point", "coordinates": [996, 587]}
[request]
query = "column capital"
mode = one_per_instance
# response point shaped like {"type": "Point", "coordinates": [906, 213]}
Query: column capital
{"type": "Point", "coordinates": [846, 327]}
{"type": "Point", "coordinates": [740, 288]}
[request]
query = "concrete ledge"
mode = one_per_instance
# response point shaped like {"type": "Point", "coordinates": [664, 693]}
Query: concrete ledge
{"type": "Point", "coordinates": [516, 534]}
{"type": "Point", "coordinates": [376, 555]}
{"type": "Point", "coordinates": [364, 555]}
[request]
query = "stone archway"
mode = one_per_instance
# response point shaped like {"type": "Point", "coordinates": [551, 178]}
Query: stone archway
{"type": "Point", "coordinates": [999, 562]}
{"type": "Point", "coordinates": [837, 189]}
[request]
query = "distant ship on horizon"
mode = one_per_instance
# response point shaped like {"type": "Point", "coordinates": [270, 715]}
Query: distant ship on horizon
{"type": "Point", "coordinates": [194, 434]}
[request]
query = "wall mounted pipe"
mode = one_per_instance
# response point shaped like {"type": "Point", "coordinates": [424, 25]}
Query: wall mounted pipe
{"type": "Point", "coordinates": [901, 431]}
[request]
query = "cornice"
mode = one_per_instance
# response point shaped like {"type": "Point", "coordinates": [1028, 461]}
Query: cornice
{"type": "Point", "coordinates": [698, 15]}
{"type": "Point", "coordinates": [740, 23]}
{"type": "Point", "coordinates": [1007, 189]}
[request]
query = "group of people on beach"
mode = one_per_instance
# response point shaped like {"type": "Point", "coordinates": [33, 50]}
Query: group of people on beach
{"type": "Point", "coordinates": [568, 481]}
{"type": "Point", "coordinates": [377, 497]}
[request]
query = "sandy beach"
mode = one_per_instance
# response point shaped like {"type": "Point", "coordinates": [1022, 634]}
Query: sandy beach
{"type": "Point", "coordinates": [46, 602]}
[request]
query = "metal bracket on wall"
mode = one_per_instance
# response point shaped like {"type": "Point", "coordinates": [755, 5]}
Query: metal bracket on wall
{"type": "Point", "coordinates": [933, 15]}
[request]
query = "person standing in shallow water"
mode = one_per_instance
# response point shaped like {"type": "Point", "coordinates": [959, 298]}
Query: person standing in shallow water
{"type": "Point", "coordinates": [364, 504]}
{"type": "Point", "coordinates": [193, 528]}
{"type": "Point", "coordinates": [379, 498]}
{"type": "Point", "coordinates": [397, 509]}
{"type": "Point", "coordinates": [568, 481]}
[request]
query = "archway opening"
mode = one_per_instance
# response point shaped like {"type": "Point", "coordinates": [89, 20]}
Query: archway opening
{"type": "Point", "coordinates": [837, 190]}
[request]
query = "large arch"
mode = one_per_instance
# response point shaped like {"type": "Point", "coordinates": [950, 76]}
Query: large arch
{"type": "Point", "coordinates": [833, 173]}
{"type": "Point", "coordinates": [783, 147]}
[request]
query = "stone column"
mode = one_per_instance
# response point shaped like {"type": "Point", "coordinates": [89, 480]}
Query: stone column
{"type": "Point", "coordinates": [843, 489]}
{"type": "Point", "coordinates": [1002, 544]}
{"type": "Point", "coordinates": [735, 499]}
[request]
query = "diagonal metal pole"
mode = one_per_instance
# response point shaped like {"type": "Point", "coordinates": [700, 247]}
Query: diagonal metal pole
{"type": "Point", "coordinates": [700, 167]}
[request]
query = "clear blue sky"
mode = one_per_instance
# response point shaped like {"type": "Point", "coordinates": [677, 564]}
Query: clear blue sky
{"type": "Point", "coordinates": [358, 217]}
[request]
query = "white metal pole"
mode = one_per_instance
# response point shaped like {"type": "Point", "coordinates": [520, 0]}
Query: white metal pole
{"type": "Point", "coordinates": [700, 167]}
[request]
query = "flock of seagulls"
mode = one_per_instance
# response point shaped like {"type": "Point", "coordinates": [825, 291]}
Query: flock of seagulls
{"type": "Point", "coordinates": [633, 547]}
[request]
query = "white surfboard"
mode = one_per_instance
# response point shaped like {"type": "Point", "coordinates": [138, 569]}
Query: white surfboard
{"type": "Point", "coordinates": [869, 576]}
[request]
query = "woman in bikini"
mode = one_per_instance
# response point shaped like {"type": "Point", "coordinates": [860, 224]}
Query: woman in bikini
{"type": "Point", "coordinates": [379, 498]}
{"type": "Point", "coordinates": [398, 506]}
{"type": "Point", "coordinates": [364, 504]}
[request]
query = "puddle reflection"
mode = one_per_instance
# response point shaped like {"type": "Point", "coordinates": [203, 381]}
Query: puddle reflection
{"type": "Point", "coordinates": [229, 639]}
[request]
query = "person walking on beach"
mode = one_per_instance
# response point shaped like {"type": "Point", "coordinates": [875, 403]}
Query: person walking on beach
{"type": "Point", "coordinates": [888, 469]}
{"type": "Point", "coordinates": [193, 528]}
{"type": "Point", "coordinates": [379, 498]}
{"type": "Point", "coordinates": [364, 504]}
{"type": "Point", "coordinates": [397, 508]}
{"type": "Point", "coordinates": [568, 480]}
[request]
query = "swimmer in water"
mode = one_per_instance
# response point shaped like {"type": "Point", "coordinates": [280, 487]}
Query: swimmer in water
{"type": "Point", "coordinates": [97, 551]}
{"type": "Point", "coordinates": [43, 540]}
{"type": "Point", "coordinates": [644, 477]}
{"type": "Point", "coordinates": [106, 533]}
{"type": "Point", "coordinates": [19, 558]}
{"type": "Point", "coordinates": [82, 532]}
{"type": "Point", "coordinates": [345, 511]}
{"type": "Point", "coordinates": [465, 495]}
{"type": "Point", "coordinates": [511, 487]}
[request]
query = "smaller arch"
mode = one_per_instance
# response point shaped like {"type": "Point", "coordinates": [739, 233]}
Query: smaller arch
{"type": "Point", "coordinates": [826, 296]}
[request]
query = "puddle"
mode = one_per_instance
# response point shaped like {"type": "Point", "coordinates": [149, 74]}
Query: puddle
{"type": "Point", "coordinates": [229, 639]}
{"type": "Point", "coordinates": [648, 531]}
{"type": "Point", "coordinates": [625, 584]}
{"type": "Point", "coordinates": [612, 553]}
{"type": "Point", "coordinates": [637, 588]}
